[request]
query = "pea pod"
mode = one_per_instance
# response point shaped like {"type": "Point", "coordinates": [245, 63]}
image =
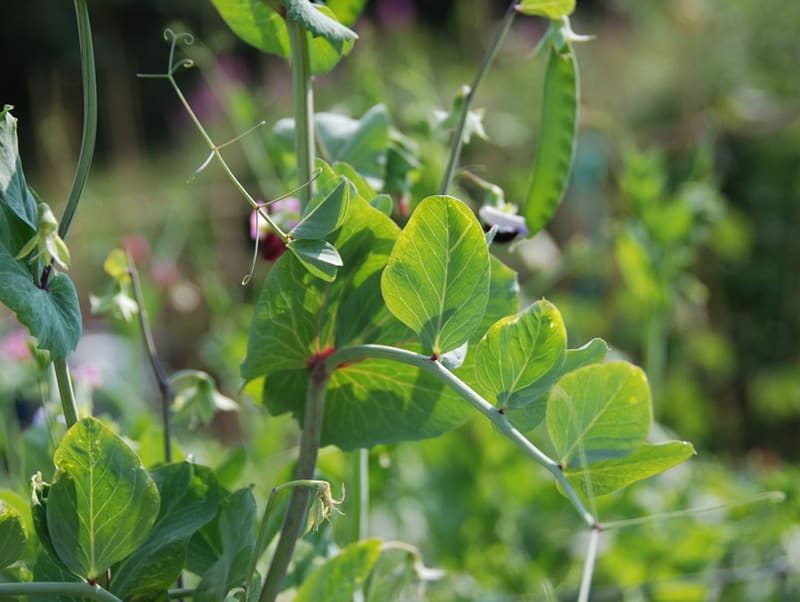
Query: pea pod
{"type": "Point", "coordinates": [556, 146]}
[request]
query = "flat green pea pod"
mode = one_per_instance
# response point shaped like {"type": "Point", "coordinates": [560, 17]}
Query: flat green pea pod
{"type": "Point", "coordinates": [559, 124]}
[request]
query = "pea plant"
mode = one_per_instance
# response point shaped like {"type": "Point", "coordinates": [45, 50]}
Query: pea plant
{"type": "Point", "coordinates": [365, 332]}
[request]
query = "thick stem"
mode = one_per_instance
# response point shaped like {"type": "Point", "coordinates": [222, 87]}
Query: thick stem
{"type": "Point", "coordinates": [155, 362]}
{"type": "Point", "coordinates": [89, 116]}
{"type": "Point", "coordinates": [306, 465]}
{"type": "Point", "coordinates": [52, 590]}
{"type": "Point", "coordinates": [360, 352]}
{"type": "Point", "coordinates": [303, 106]}
{"type": "Point", "coordinates": [66, 392]}
{"type": "Point", "coordinates": [469, 97]}
{"type": "Point", "coordinates": [588, 566]}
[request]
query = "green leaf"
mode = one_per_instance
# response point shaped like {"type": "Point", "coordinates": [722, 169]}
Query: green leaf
{"type": "Point", "coordinates": [102, 503]}
{"type": "Point", "coordinates": [14, 191]}
{"type": "Point", "coordinates": [327, 215]}
{"type": "Point", "coordinates": [607, 476]}
{"type": "Point", "coordinates": [503, 296]}
{"type": "Point", "coordinates": [12, 536]}
{"type": "Point", "coordinates": [190, 498]}
{"type": "Point", "coordinates": [237, 535]}
{"type": "Point", "coordinates": [437, 279]}
{"type": "Point", "coordinates": [255, 22]}
{"type": "Point", "coordinates": [347, 11]}
{"type": "Point", "coordinates": [552, 9]}
{"type": "Point", "coordinates": [372, 402]}
{"type": "Point", "coordinates": [519, 350]}
{"type": "Point", "coordinates": [322, 24]}
{"type": "Point", "coordinates": [297, 315]}
{"type": "Point", "coordinates": [598, 412]}
{"type": "Point", "coordinates": [383, 203]}
{"type": "Point", "coordinates": [342, 576]}
{"type": "Point", "coordinates": [52, 316]}
{"type": "Point", "coordinates": [593, 352]}
{"type": "Point", "coordinates": [319, 257]}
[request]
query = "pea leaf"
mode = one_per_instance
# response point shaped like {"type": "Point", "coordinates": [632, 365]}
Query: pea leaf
{"type": "Point", "coordinates": [347, 11]}
{"type": "Point", "coordinates": [327, 215]}
{"type": "Point", "coordinates": [342, 576]}
{"type": "Point", "coordinates": [52, 316]}
{"type": "Point", "coordinates": [12, 536]}
{"type": "Point", "coordinates": [519, 350]}
{"type": "Point", "coordinates": [14, 191]}
{"type": "Point", "coordinates": [102, 503]}
{"type": "Point", "coordinates": [599, 412]}
{"type": "Point", "coordinates": [237, 536]}
{"type": "Point", "coordinates": [437, 279]}
{"type": "Point", "coordinates": [319, 23]}
{"type": "Point", "coordinates": [607, 476]}
{"type": "Point", "coordinates": [319, 257]}
{"type": "Point", "coordinates": [552, 9]}
{"type": "Point", "coordinates": [372, 402]}
{"type": "Point", "coordinates": [190, 498]}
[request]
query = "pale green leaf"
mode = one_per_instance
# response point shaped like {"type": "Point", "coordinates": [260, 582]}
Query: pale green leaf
{"type": "Point", "coordinates": [598, 412]}
{"type": "Point", "coordinates": [519, 350]}
{"type": "Point", "coordinates": [319, 23]}
{"type": "Point", "coordinates": [319, 257]}
{"type": "Point", "coordinates": [347, 11]}
{"type": "Point", "coordinates": [607, 476]}
{"type": "Point", "coordinates": [52, 316]}
{"type": "Point", "coordinates": [342, 576]}
{"type": "Point", "coordinates": [12, 536]}
{"type": "Point", "coordinates": [255, 22]}
{"type": "Point", "coordinates": [102, 503]}
{"type": "Point", "coordinates": [327, 215]}
{"type": "Point", "coordinates": [552, 9]}
{"type": "Point", "coordinates": [437, 278]}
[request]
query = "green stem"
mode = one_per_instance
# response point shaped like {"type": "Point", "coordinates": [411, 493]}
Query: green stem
{"type": "Point", "coordinates": [181, 592]}
{"type": "Point", "coordinates": [303, 95]}
{"type": "Point", "coordinates": [360, 480]}
{"type": "Point", "coordinates": [67, 394]}
{"type": "Point", "coordinates": [360, 352]}
{"type": "Point", "coordinates": [306, 465]}
{"type": "Point", "coordinates": [54, 589]}
{"type": "Point", "coordinates": [89, 78]}
{"type": "Point", "coordinates": [588, 566]}
{"type": "Point", "coordinates": [469, 97]}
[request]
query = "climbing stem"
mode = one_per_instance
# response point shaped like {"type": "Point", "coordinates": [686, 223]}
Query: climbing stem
{"type": "Point", "coordinates": [66, 392]}
{"type": "Point", "coordinates": [588, 565]}
{"type": "Point", "coordinates": [306, 465]}
{"type": "Point", "coordinates": [89, 134]}
{"type": "Point", "coordinates": [469, 97]}
{"type": "Point", "coordinates": [52, 590]}
{"type": "Point", "coordinates": [303, 95]}
{"type": "Point", "coordinates": [360, 352]}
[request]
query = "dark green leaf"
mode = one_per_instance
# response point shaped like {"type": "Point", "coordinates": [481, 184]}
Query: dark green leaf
{"type": "Point", "coordinates": [319, 257]}
{"type": "Point", "coordinates": [14, 191]}
{"type": "Point", "coordinates": [322, 24]}
{"type": "Point", "coordinates": [327, 215]}
{"type": "Point", "coordinates": [53, 316]}
{"type": "Point", "coordinates": [437, 278]}
{"type": "Point", "coordinates": [102, 503]}
{"type": "Point", "coordinates": [237, 535]}
{"type": "Point", "coordinates": [598, 412]}
{"type": "Point", "coordinates": [607, 476]}
{"type": "Point", "coordinates": [342, 576]}
{"type": "Point", "coordinates": [12, 536]}
{"type": "Point", "coordinates": [190, 498]}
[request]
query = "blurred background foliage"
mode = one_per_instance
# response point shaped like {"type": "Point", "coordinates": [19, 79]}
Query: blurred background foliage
{"type": "Point", "coordinates": [677, 243]}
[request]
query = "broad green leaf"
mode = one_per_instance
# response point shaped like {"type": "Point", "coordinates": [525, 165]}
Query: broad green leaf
{"type": "Point", "coordinates": [14, 191]}
{"type": "Point", "coordinates": [372, 402]}
{"type": "Point", "coordinates": [52, 316]}
{"type": "Point", "coordinates": [598, 412]}
{"type": "Point", "coordinates": [383, 203]}
{"type": "Point", "coordinates": [342, 576]}
{"type": "Point", "coordinates": [593, 352]}
{"type": "Point", "coordinates": [237, 536]}
{"type": "Point", "coordinates": [347, 11]}
{"type": "Point", "coordinates": [607, 476]}
{"type": "Point", "coordinates": [12, 536]}
{"type": "Point", "coordinates": [319, 257]}
{"type": "Point", "coordinates": [49, 568]}
{"type": "Point", "coordinates": [190, 498]}
{"type": "Point", "coordinates": [552, 9]}
{"type": "Point", "coordinates": [503, 296]}
{"type": "Point", "coordinates": [323, 218]}
{"type": "Point", "coordinates": [319, 23]}
{"type": "Point", "coordinates": [519, 350]}
{"type": "Point", "coordinates": [298, 315]}
{"type": "Point", "coordinates": [260, 25]}
{"type": "Point", "coordinates": [102, 503]}
{"type": "Point", "coordinates": [364, 189]}
{"type": "Point", "coordinates": [437, 279]}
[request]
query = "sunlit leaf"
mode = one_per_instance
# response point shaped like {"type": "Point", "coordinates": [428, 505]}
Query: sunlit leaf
{"type": "Point", "coordinates": [12, 536]}
{"type": "Point", "coordinates": [319, 257]}
{"type": "Point", "coordinates": [598, 412]}
{"type": "Point", "coordinates": [342, 576]}
{"type": "Point", "coordinates": [102, 503]}
{"type": "Point", "coordinates": [327, 215]}
{"type": "Point", "coordinates": [437, 278]}
{"type": "Point", "coordinates": [552, 9]}
{"type": "Point", "coordinates": [319, 23]}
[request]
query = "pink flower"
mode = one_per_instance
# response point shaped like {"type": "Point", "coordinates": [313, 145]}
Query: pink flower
{"type": "Point", "coordinates": [14, 347]}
